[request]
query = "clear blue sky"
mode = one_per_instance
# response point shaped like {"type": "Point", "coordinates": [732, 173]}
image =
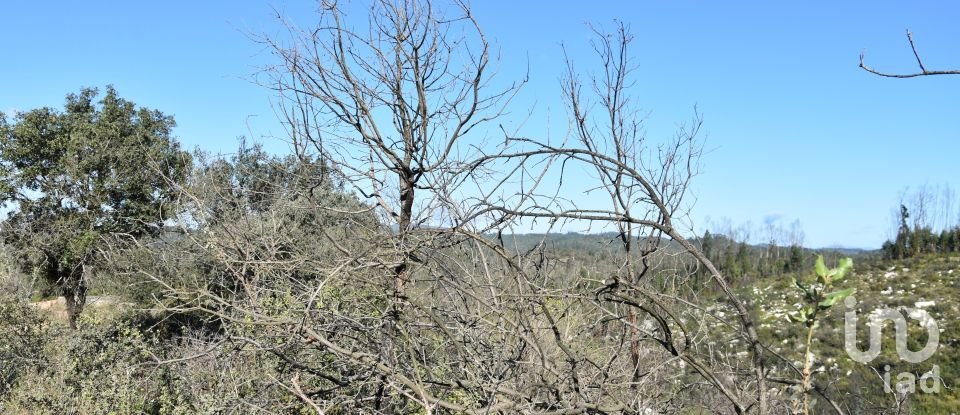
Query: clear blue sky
{"type": "Point", "coordinates": [796, 130]}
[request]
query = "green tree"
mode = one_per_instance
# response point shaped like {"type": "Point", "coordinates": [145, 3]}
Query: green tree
{"type": "Point", "coordinates": [795, 262]}
{"type": "Point", "coordinates": [707, 245]}
{"type": "Point", "coordinates": [903, 233]}
{"type": "Point", "coordinates": [943, 241]}
{"type": "Point", "coordinates": [252, 181]}
{"type": "Point", "coordinates": [954, 244]}
{"type": "Point", "coordinates": [75, 177]}
{"type": "Point", "coordinates": [743, 259]}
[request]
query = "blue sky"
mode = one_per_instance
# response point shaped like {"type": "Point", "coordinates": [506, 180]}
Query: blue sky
{"type": "Point", "coordinates": [795, 130]}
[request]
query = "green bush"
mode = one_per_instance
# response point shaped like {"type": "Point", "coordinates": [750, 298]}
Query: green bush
{"type": "Point", "coordinates": [23, 336]}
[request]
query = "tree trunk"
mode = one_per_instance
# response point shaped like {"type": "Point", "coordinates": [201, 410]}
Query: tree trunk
{"type": "Point", "coordinates": [74, 296]}
{"type": "Point", "coordinates": [400, 274]}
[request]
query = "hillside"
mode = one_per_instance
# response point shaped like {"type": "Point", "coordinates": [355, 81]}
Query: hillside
{"type": "Point", "coordinates": [930, 283]}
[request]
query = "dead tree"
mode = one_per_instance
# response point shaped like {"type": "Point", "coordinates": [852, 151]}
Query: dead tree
{"type": "Point", "coordinates": [387, 105]}
{"type": "Point", "coordinates": [418, 296]}
{"type": "Point", "coordinates": [645, 182]}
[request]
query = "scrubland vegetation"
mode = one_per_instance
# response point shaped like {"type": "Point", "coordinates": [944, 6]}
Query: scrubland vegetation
{"type": "Point", "coordinates": [380, 267]}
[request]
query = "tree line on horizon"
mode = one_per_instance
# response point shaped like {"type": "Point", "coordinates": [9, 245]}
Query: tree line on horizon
{"type": "Point", "coordinates": [924, 226]}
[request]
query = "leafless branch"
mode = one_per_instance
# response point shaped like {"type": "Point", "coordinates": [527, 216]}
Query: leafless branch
{"type": "Point", "coordinates": [923, 69]}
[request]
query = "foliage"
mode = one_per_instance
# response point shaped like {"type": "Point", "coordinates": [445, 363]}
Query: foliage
{"type": "Point", "coordinates": [76, 177]}
{"type": "Point", "coordinates": [23, 335]}
{"type": "Point", "coordinates": [922, 228]}
{"type": "Point", "coordinates": [377, 269]}
{"type": "Point", "coordinates": [818, 298]}
{"type": "Point", "coordinates": [815, 294]}
{"type": "Point", "coordinates": [913, 242]}
{"type": "Point", "coordinates": [116, 366]}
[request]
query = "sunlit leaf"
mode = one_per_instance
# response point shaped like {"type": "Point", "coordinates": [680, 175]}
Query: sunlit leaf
{"type": "Point", "coordinates": [835, 297]}
{"type": "Point", "coordinates": [840, 272]}
{"type": "Point", "coordinates": [820, 268]}
{"type": "Point", "coordinates": [796, 317]}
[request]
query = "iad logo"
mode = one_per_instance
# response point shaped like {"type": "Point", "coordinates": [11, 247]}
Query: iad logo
{"type": "Point", "coordinates": [906, 381]}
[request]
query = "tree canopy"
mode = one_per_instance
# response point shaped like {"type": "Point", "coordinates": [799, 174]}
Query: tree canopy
{"type": "Point", "coordinates": [71, 177]}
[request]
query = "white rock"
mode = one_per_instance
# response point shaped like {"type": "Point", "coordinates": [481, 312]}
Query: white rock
{"type": "Point", "coordinates": [922, 317]}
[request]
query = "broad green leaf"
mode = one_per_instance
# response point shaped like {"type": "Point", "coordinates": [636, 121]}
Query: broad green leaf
{"type": "Point", "coordinates": [826, 303]}
{"type": "Point", "coordinates": [835, 297]}
{"type": "Point", "coordinates": [846, 263]}
{"type": "Point", "coordinates": [841, 294]}
{"type": "Point", "coordinates": [820, 267]}
{"type": "Point", "coordinates": [796, 317]}
{"type": "Point", "coordinates": [840, 272]}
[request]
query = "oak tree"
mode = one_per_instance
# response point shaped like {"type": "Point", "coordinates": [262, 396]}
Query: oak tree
{"type": "Point", "coordinates": [72, 179]}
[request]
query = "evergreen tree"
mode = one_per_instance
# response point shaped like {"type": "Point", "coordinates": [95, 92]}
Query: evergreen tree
{"type": "Point", "coordinates": [74, 177]}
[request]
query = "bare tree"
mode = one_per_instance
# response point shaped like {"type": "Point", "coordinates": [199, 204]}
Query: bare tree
{"type": "Point", "coordinates": [921, 203]}
{"type": "Point", "coordinates": [796, 234]}
{"type": "Point", "coordinates": [947, 200]}
{"type": "Point", "coordinates": [387, 105]}
{"type": "Point", "coordinates": [419, 296]}
{"type": "Point", "coordinates": [645, 182]}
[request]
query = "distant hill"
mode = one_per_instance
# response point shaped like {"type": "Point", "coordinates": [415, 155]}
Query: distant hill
{"type": "Point", "coordinates": [849, 251]}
